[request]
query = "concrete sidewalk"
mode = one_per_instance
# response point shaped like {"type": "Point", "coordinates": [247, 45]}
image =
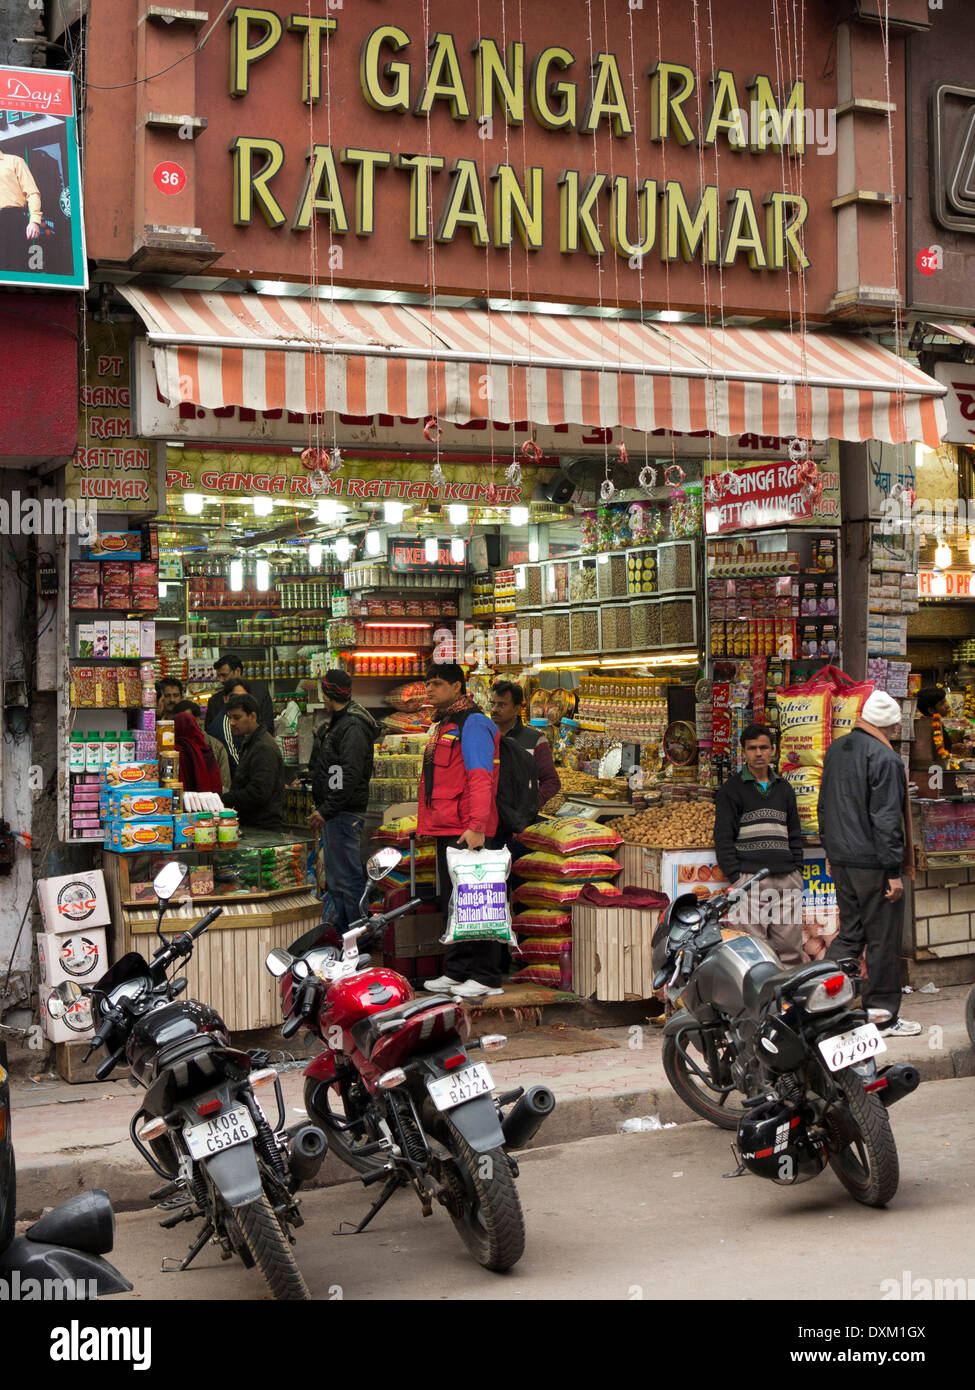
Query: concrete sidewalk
{"type": "Point", "coordinates": [69, 1138]}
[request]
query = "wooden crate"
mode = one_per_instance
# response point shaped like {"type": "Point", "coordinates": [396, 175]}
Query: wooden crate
{"type": "Point", "coordinates": [641, 867]}
{"type": "Point", "coordinates": [611, 952]}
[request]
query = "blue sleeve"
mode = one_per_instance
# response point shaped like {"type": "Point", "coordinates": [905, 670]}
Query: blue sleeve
{"type": "Point", "coordinates": [477, 743]}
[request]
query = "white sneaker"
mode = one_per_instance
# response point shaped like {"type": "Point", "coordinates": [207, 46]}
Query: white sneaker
{"type": "Point", "coordinates": [441, 984]}
{"type": "Point", "coordinates": [470, 989]}
{"type": "Point", "coordinates": [901, 1029]}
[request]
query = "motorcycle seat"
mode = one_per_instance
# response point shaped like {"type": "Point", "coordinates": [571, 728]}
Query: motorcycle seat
{"type": "Point", "coordinates": [368, 1031]}
{"type": "Point", "coordinates": [761, 982]}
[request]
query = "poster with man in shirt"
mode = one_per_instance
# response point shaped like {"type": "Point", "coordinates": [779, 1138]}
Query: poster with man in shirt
{"type": "Point", "coordinates": [41, 224]}
{"type": "Point", "coordinates": [756, 826]}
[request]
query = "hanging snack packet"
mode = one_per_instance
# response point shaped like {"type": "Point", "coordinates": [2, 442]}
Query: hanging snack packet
{"type": "Point", "coordinates": [805, 724]}
{"type": "Point", "coordinates": [479, 902]}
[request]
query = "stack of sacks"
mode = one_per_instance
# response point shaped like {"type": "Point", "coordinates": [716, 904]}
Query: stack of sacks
{"type": "Point", "coordinates": [811, 716]}
{"type": "Point", "coordinates": [396, 885]}
{"type": "Point", "coordinates": [567, 854]}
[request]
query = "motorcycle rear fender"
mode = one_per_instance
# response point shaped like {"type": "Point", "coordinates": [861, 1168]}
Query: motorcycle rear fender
{"type": "Point", "coordinates": [476, 1121]}
{"type": "Point", "coordinates": [33, 1260]}
{"type": "Point", "coordinates": [322, 1067]}
{"type": "Point", "coordinates": [235, 1175]}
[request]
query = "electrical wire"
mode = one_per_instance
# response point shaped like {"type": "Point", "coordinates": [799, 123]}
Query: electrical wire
{"type": "Point", "coordinates": [120, 86]}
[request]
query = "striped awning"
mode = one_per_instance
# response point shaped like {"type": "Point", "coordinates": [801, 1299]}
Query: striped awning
{"type": "Point", "coordinates": [965, 332]}
{"type": "Point", "coordinates": [273, 353]}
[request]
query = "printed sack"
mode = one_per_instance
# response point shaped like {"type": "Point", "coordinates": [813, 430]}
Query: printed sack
{"type": "Point", "coordinates": [479, 908]}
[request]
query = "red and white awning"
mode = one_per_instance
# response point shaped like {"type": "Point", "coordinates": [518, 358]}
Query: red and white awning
{"type": "Point", "coordinates": [273, 353]}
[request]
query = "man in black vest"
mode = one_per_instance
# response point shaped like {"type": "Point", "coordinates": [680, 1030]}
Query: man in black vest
{"type": "Point", "coordinates": [507, 707]}
{"type": "Point", "coordinates": [756, 826]}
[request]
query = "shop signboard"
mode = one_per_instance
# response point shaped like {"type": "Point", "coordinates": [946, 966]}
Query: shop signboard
{"type": "Point", "coordinates": [407, 555]}
{"type": "Point", "coordinates": [697, 871]}
{"type": "Point", "coordinates": [562, 163]}
{"type": "Point", "coordinates": [236, 475]}
{"type": "Point", "coordinates": [959, 377]}
{"type": "Point", "coordinates": [111, 466]}
{"type": "Point", "coordinates": [738, 497]}
{"type": "Point", "coordinates": [42, 234]}
{"type": "Point", "coordinates": [945, 584]}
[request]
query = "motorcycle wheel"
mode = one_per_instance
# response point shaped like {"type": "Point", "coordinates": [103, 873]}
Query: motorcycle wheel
{"type": "Point", "coordinates": [970, 1016]}
{"type": "Point", "coordinates": [272, 1251]}
{"type": "Point", "coordinates": [866, 1164]}
{"type": "Point", "coordinates": [718, 1107]}
{"type": "Point", "coordinates": [492, 1226]}
{"type": "Point", "coordinates": [330, 1104]}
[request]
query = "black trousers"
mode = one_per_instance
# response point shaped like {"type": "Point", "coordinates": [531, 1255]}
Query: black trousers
{"type": "Point", "coordinates": [868, 919]}
{"type": "Point", "coordinates": [467, 960]}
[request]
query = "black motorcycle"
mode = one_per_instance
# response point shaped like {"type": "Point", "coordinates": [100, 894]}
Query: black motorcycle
{"type": "Point", "coordinates": [60, 1256]}
{"type": "Point", "coordinates": [200, 1126]}
{"type": "Point", "coordinates": [777, 1054]}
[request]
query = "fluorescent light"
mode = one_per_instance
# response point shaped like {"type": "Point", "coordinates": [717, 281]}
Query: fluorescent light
{"type": "Point", "coordinates": [533, 551]}
{"type": "Point", "coordinates": [343, 549]}
{"type": "Point", "coordinates": [193, 503]}
{"type": "Point", "coordinates": [431, 550]}
{"type": "Point", "coordinates": [457, 549]}
{"type": "Point", "coordinates": [270, 286]}
{"type": "Point", "coordinates": [328, 509]}
{"type": "Point", "coordinates": [236, 575]}
{"type": "Point", "coordinates": [942, 556]}
{"type": "Point", "coordinates": [457, 513]}
{"type": "Point", "coordinates": [374, 542]}
{"type": "Point", "coordinates": [263, 578]}
{"type": "Point", "coordinates": [939, 584]}
{"type": "Point", "coordinates": [518, 516]}
{"type": "Point", "coordinates": [394, 512]}
{"type": "Point", "coordinates": [919, 452]}
{"type": "Point", "coordinates": [315, 555]}
{"type": "Point", "coordinates": [263, 506]}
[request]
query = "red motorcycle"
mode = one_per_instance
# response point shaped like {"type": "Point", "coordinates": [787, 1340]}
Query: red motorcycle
{"type": "Point", "coordinates": [397, 1093]}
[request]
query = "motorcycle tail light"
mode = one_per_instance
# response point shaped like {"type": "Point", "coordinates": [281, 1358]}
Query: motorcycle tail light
{"type": "Point", "coordinates": [829, 994]}
{"type": "Point", "coordinates": [879, 1085]}
{"type": "Point", "coordinates": [265, 1077]}
{"type": "Point", "coordinates": [493, 1042]}
{"type": "Point", "coordinates": [208, 1107]}
{"type": "Point", "coordinates": [389, 1079]}
{"type": "Point", "coordinates": [155, 1129]}
{"type": "Point", "coordinates": [457, 1060]}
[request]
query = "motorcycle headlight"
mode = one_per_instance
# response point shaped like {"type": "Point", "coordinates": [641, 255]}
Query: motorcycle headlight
{"type": "Point", "coordinates": [829, 994]}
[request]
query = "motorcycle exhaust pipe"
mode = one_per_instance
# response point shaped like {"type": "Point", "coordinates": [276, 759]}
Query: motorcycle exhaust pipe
{"type": "Point", "coordinates": [306, 1153]}
{"type": "Point", "coordinates": [524, 1119]}
{"type": "Point", "coordinates": [901, 1078]}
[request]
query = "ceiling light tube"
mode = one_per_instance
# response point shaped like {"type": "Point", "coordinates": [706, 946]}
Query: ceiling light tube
{"type": "Point", "coordinates": [193, 503]}
{"type": "Point", "coordinates": [431, 550]}
{"type": "Point", "coordinates": [262, 578]}
{"type": "Point", "coordinates": [457, 513]}
{"type": "Point", "coordinates": [373, 542]}
{"type": "Point", "coordinates": [343, 549]}
{"type": "Point", "coordinates": [328, 509]}
{"type": "Point", "coordinates": [236, 576]}
{"type": "Point", "coordinates": [518, 516]}
{"type": "Point", "coordinates": [394, 512]}
{"type": "Point", "coordinates": [263, 506]}
{"type": "Point", "coordinates": [315, 555]}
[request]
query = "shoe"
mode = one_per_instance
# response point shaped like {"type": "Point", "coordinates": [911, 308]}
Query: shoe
{"type": "Point", "coordinates": [900, 1029]}
{"type": "Point", "coordinates": [493, 991]}
{"type": "Point", "coordinates": [470, 989]}
{"type": "Point", "coordinates": [441, 984]}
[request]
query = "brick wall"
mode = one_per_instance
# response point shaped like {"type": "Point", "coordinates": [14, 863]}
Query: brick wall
{"type": "Point", "coordinates": [944, 912]}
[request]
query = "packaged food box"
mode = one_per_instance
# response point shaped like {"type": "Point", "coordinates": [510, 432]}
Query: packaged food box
{"type": "Point", "coordinates": [106, 687]}
{"type": "Point", "coordinates": [145, 572]}
{"type": "Point", "coordinates": [184, 830]}
{"type": "Point", "coordinates": [85, 596]}
{"type": "Point", "coordinates": [131, 774]}
{"type": "Point", "coordinates": [74, 901]}
{"type": "Point", "coordinates": [84, 639]}
{"type": "Point", "coordinates": [116, 572]}
{"type": "Point", "coordinates": [116, 597]}
{"type": "Point", "coordinates": [85, 572]}
{"type": "Point", "coordinates": [145, 597]}
{"type": "Point", "coordinates": [131, 836]}
{"type": "Point", "coordinates": [129, 687]}
{"type": "Point", "coordinates": [115, 545]}
{"type": "Point", "coordinates": [116, 637]}
{"type": "Point", "coordinates": [121, 803]}
{"type": "Point", "coordinates": [81, 693]}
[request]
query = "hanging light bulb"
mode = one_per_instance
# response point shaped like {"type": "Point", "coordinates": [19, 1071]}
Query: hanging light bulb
{"type": "Point", "coordinates": [373, 542]}
{"type": "Point", "coordinates": [518, 516]}
{"type": "Point", "coordinates": [263, 506]}
{"type": "Point", "coordinates": [431, 550]}
{"type": "Point", "coordinates": [328, 509]}
{"type": "Point", "coordinates": [942, 556]}
{"type": "Point", "coordinates": [236, 575]}
{"type": "Point", "coordinates": [457, 549]}
{"type": "Point", "coordinates": [343, 549]}
{"type": "Point", "coordinates": [193, 503]}
{"type": "Point", "coordinates": [533, 551]}
{"type": "Point", "coordinates": [262, 575]}
{"type": "Point", "coordinates": [394, 512]}
{"type": "Point", "coordinates": [315, 555]}
{"type": "Point", "coordinates": [939, 584]}
{"type": "Point", "coordinates": [457, 513]}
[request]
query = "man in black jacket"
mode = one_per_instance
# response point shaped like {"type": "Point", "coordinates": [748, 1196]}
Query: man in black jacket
{"type": "Point", "coordinates": [257, 789]}
{"type": "Point", "coordinates": [340, 770]}
{"type": "Point", "coordinates": [756, 826]}
{"type": "Point", "coordinates": [229, 670]}
{"type": "Point", "coordinates": [862, 803]}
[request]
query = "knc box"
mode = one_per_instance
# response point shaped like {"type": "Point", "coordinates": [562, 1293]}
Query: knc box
{"type": "Point", "coordinates": [74, 902]}
{"type": "Point", "coordinates": [74, 1026]}
{"type": "Point", "coordinates": [81, 956]}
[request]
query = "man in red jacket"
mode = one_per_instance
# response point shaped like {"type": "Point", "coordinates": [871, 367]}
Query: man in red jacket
{"type": "Point", "coordinates": [457, 804]}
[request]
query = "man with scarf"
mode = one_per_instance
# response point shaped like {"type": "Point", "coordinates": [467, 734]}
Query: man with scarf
{"type": "Point", "coordinates": [457, 804]}
{"type": "Point", "coordinates": [865, 826]}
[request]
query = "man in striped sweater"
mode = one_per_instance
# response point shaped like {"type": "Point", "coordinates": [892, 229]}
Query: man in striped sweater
{"type": "Point", "coordinates": [756, 826]}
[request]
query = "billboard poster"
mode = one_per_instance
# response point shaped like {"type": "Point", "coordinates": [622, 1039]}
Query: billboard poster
{"type": "Point", "coordinates": [41, 224]}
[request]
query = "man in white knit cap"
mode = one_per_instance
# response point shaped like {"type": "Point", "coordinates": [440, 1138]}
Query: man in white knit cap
{"type": "Point", "coordinates": [865, 826]}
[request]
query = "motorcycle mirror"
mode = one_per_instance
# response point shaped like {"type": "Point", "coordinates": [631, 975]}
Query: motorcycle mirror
{"type": "Point", "coordinates": [279, 961]}
{"type": "Point", "coordinates": [55, 1007]}
{"type": "Point", "coordinates": [660, 979]}
{"type": "Point", "coordinates": [69, 992]}
{"type": "Point", "coordinates": [168, 879]}
{"type": "Point", "coordinates": [382, 863]}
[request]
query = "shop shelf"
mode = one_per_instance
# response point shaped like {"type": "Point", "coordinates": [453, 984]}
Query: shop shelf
{"type": "Point", "coordinates": [676, 566]}
{"type": "Point", "coordinates": [585, 636]}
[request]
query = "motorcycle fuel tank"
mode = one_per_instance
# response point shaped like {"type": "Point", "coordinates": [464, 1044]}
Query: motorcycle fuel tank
{"type": "Point", "coordinates": [171, 1023]}
{"type": "Point", "coordinates": [719, 980]}
{"type": "Point", "coordinates": [369, 992]}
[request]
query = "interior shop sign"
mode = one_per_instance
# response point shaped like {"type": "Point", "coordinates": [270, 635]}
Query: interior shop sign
{"type": "Point", "coordinates": [493, 91]}
{"type": "Point", "coordinates": [768, 494]}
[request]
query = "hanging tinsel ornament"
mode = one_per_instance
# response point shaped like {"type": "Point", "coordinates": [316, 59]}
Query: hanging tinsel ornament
{"type": "Point", "coordinates": [713, 490]}
{"type": "Point", "coordinates": [607, 491]}
{"type": "Point", "coordinates": [624, 455]}
{"type": "Point", "coordinates": [513, 473]}
{"type": "Point", "coordinates": [317, 459]}
{"type": "Point", "coordinates": [492, 494]}
{"type": "Point", "coordinates": [531, 452]}
{"type": "Point", "coordinates": [674, 475]}
{"type": "Point", "coordinates": [730, 482]}
{"type": "Point", "coordinates": [436, 475]}
{"type": "Point", "coordinates": [336, 460]}
{"type": "Point", "coordinates": [648, 478]}
{"type": "Point", "coordinates": [318, 483]}
{"type": "Point", "coordinates": [798, 449]}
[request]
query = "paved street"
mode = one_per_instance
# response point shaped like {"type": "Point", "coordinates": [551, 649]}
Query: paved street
{"type": "Point", "coordinates": [637, 1215]}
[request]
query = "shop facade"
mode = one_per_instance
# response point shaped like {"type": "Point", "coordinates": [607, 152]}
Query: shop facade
{"type": "Point", "coordinates": [505, 399]}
